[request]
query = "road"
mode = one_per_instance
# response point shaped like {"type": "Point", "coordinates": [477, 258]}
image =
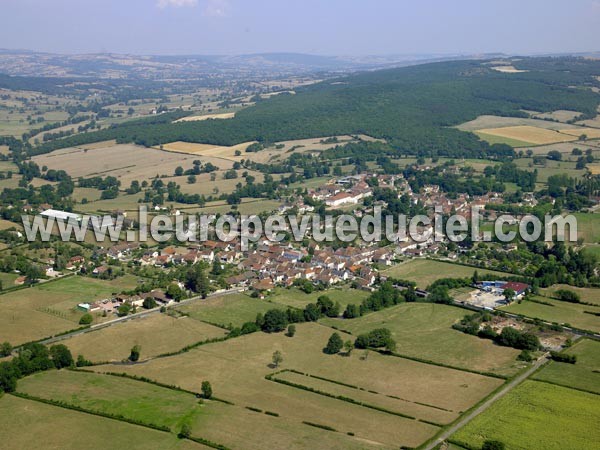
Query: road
{"type": "Point", "coordinates": [133, 317]}
{"type": "Point", "coordinates": [487, 403]}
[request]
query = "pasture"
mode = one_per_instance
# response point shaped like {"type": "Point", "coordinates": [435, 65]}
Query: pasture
{"type": "Point", "coordinates": [426, 271]}
{"type": "Point", "coordinates": [61, 428]}
{"type": "Point", "coordinates": [589, 295]}
{"type": "Point", "coordinates": [49, 308]}
{"type": "Point", "coordinates": [557, 311]}
{"type": "Point", "coordinates": [297, 299]}
{"type": "Point", "coordinates": [156, 334]}
{"type": "Point", "coordinates": [584, 374]}
{"type": "Point", "coordinates": [237, 367]}
{"type": "Point", "coordinates": [484, 122]}
{"type": "Point", "coordinates": [537, 415]}
{"type": "Point", "coordinates": [588, 227]}
{"type": "Point", "coordinates": [423, 330]}
{"type": "Point", "coordinates": [226, 310]}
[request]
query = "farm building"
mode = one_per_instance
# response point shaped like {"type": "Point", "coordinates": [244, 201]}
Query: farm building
{"type": "Point", "coordinates": [60, 215]}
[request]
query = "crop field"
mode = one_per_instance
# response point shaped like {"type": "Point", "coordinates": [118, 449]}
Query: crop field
{"type": "Point", "coordinates": [423, 330]}
{"type": "Point", "coordinates": [297, 299]}
{"type": "Point", "coordinates": [550, 168]}
{"type": "Point", "coordinates": [594, 169]}
{"type": "Point", "coordinates": [206, 149]}
{"type": "Point", "coordinates": [496, 139]}
{"type": "Point", "coordinates": [237, 367]}
{"type": "Point", "coordinates": [584, 374]}
{"type": "Point", "coordinates": [61, 428]}
{"type": "Point", "coordinates": [230, 115]}
{"type": "Point", "coordinates": [537, 415]}
{"type": "Point", "coordinates": [425, 271]}
{"type": "Point", "coordinates": [156, 334]}
{"type": "Point", "coordinates": [561, 115]}
{"type": "Point", "coordinates": [529, 134]}
{"type": "Point", "coordinates": [48, 308]}
{"type": "Point", "coordinates": [591, 133]}
{"type": "Point", "coordinates": [234, 309]}
{"type": "Point", "coordinates": [561, 312]}
{"type": "Point", "coordinates": [588, 227]}
{"type": "Point", "coordinates": [589, 295]}
{"type": "Point", "coordinates": [563, 147]}
{"type": "Point", "coordinates": [484, 122]}
{"type": "Point", "coordinates": [127, 162]}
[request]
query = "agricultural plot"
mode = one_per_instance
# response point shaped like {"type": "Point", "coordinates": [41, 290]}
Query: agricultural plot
{"type": "Point", "coordinates": [556, 311]}
{"type": "Point", "coordinates": [49, 308]}
{"type": "Point", "coordinates": [156, 334]}
{"type": "Point", "coordinates": [584, 374]}
{"type": "Point", "coordinates": [425, 271]}
{"type": "Point", "coordinates": [537, 415]}
{"type": "Point", "coordinates": [127, 162]}
{"type": "Point", "coordinates": [423, 330]}
{"type": "Point", "coordinates": [550, 168]}
{"type": "Point", "coordinates": [529, 134]}
{"type": "Point", "coordinates": [563, 147]}
{"type": "Point", "coordinates": [297, 299]}
{"type": "Point", "coordinates": [560, 115]}
{"type": "Point", "coordinates": [588, 227]}
{"type": "Point", "coordinates": [229, 115]}
{"type": "Point", "coordinates": [237, 370]}
{"type": "Point", "coordinates": [62, 428]}
{"type": "Point", "coordinates": [588, 295]}
{"type": "Point", "coordinates": [232, 309]}
{"type": "Point", "coordinates": [492, 122]}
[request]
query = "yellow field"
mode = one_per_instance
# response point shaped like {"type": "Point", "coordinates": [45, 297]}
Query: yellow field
{"type": "Point", "coordinates": [206, 149]}
{"type": "Point", "coordinates": [206, 117]}
{"type": "Point", "coordinates": [531, 134]}
{"type": "Point", "coordinates": [591, 133]}
{"type": "Point", "coordinates": [508, 69]}
{"type": "Point", "coordinates": [594, 169]}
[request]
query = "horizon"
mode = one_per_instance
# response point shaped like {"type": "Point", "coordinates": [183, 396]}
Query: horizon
{"type": "Point", "coordinates": [353, 29]}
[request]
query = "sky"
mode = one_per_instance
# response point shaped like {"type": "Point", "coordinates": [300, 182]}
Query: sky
{"type": "Point", "coordinates": [326, 27]}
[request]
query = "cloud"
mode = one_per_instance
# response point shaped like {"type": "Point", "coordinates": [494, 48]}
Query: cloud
{"type": "Point", "coordinates": [217, 8]}
{"type": "Point", "coordinates": [176, 3]}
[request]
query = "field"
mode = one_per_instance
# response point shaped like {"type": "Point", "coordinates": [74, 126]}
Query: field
{"type": "Point", "coordinates": [297, 299]}
{"type": "Point", "coordinates": [584, 374]}
{"type": "Point", "coordinates": [156, 334]}
{"type": "Point", "coordinates": [561, 115]}
{"type": "Point", "coordinates": [206, 149]}
{"type": "Point", "coordinates": [234, 309]}
{"type": "Point", "coordinates": [538, 415]}
{"type": "Point", "coordinates": [594, 169]}
{"type": "Point", "coordinates": [48, 308]}
{"type": "Point", "coordinates": [425, 271]}
{"type": "Point", "coordinates": [588, 227]}
{"type": "Point", "coordinates": [206, 117]}
{"type": "Point", "coordinates": [530, 135]}
{"type": "Point", "coordinates": [589, 295]}
{"type": "Point", "coordinates": [591, 133]}
{"type": "Point", "coordinates": [237, 367]}
{"type": "Point", "coordinates": [62, 428]}
{"type": "Point", "coordinates": [486, 122]}
{"type": "Point", "coordinates": [423, 330]}
{"type": "Point", "coordinates": [496, 139]}
{"type": "Point", "coordinates": [561, 312]}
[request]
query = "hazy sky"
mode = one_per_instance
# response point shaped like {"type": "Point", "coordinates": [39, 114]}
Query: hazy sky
{"type": "Point", "coordinates": [340, 27]}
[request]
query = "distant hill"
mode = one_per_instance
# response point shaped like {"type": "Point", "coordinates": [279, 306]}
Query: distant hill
{"type": "Point", "coordinates": [413, 107]}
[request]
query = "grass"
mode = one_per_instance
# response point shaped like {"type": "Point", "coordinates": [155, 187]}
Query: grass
{"type": "Point", "coordinates": [115, 342]}
{"type": "Point", "coordinates": [33, 424]}
{"type": "Point", "coordinates": [580, 375]}
{"type": "Point", "coordinates": [236, 369]}
{"type": "Point", "coordinates": [7, 280]}
{"type": "Point", "coordinates": [49, 308]}
{"type": "Point", "coordinates": [133, 399]}
{"type": "Point", "coordinates": [233, 309]}
{"type": "Point", "coordinates": [493, 139]}
{"type": "Point", "coordinates": [530, 135]}
{"type": "Point", "coordinates": [297, 299]}
{"type": "Point", "coordinates": [589, 295]}
{"type": "Point", "coordinates": [423, 330]}
{"type": "Point", "coordinates": [588, 227]}
{"type": "Point", "coordinates": [561, 312]}
{"type": "Point", "coordinates": [537, 415]}
{"type": "Point", "coordinates": [425, 271]}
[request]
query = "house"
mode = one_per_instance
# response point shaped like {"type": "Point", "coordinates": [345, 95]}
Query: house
{"type": "Point", "coordinates": [75, 262]}
{"type": "Point", "coordinates": [100, 270]}
{"type": "Point", "coordinates": [343, 198]}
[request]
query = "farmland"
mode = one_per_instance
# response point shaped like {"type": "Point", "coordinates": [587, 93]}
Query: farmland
{"type": "Point", "coordinates": [232, 309]}
{"type": "Point", "coordinates": [237, 367]}
{"type": "Point", "coordinates": [424, 271]}
{"type": "Point", "coordinates": [423, 330]}
{"type": "Point", "coordinates": [589, 295]}
{"type": "Point", "coordinates": [62, 428]}
{"type": "Point", "coordinates": [297, 299]}
{"type": "Point", "coordinates": [584, 374]}
{"type": "Point", "coordinates": [115, 342]}
{"type": "Point", "coordinates": [537, 415]}
{"type": "Point", "coordinates": [48, 308]}
{"type": "Point", "coordinates": [561, 312]}
{"type": "Point", "coordinates": [529, 135]}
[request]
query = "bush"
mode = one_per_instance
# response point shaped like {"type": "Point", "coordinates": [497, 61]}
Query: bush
{"type": "Point", "coordinates": [568, 296]}
{"type": "Point", "coordinates": [86, 319]}
{"type": "Point", "coordinates": [185, 432]}
{"type": "Point", "coordinates": [291, 331]}
{"type": "Point", "coordinates": [563, 357]}
{"type": "Point", "coordinates": [135, 353]}
{"type": "Point", "coordinates": [493, 445]}
{"type": "Point", "coordinates": [525, 355]}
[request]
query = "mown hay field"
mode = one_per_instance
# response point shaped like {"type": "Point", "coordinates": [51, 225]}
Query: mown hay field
{"type": "Point", "coordinates": [537, 415]}
{"type": "Point", "coordinates": [229, 115]}
{"type": "Point", "coordinates": [529, 134]}
{"type": "Point", "coordinates": [298, 299]}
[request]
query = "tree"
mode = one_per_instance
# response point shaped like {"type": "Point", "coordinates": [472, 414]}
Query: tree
{"type": "Point", "coordinates": [5, 349]}
{"type": "Point", "coordinates": [493, 445]}
{"type": "Point", "coordinates": [206, 389]}
{"type": "Point", "coordinates": [82, 362]}
{"type": "Point", "coordinates": [191, 179]}
{"type": "Point", "coordinates": [348, 346]}
{"type": "Point", "coordinates": [149, 303]}
{"type": "Point", "coordinates": [291, 331]}
{"type": "Point", "coordinates": [175, 292]}
{"type": "Point", "coordinates": [185, 432]}
{"type": "Point", "coordinates": [277, 358]}
{"type": "Point", "coordinates": [123, 310]}
{"type": "Point", "coordinates": [275, 320]}
{"type": "Point", "coordinates": [135, 353]}
{"type": "Point", "coordinates": [178, 171]}
{"type": "Point", "coordinates": [61, 356]}
{"type": "Point", "coordinates": [334, 345]}
{"type": "Point", "coordinates": [509, 295]}
{"type": "Point", "coordinates": [86, 319]}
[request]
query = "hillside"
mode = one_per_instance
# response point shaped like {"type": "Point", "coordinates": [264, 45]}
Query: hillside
{"type": "Point", "coordinates": [412, 107]}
